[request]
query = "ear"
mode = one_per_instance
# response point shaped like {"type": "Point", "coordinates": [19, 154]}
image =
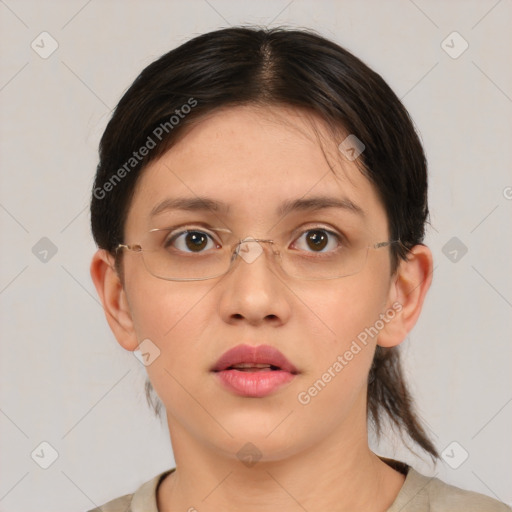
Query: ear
{"type": "Point", "coordinates": [113, 297]}
{"type": "Point", "coordinates": [408, 289]}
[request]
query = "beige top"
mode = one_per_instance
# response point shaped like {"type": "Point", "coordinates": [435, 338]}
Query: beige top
{"type": "Point", "coordinates": [419, 493]}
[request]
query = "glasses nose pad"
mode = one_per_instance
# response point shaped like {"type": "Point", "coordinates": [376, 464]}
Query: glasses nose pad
{"type": "Point", "coordinates": [249, 249]}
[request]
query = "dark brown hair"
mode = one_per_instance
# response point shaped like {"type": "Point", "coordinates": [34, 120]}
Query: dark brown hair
{"type": "Point", "coordinates": [296, 68]}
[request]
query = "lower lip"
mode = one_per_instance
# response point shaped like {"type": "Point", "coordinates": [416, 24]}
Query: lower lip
{"type": "Point", "coordinates": [255, 384]}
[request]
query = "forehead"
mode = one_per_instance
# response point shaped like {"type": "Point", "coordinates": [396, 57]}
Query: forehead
{"type": "Point", "coordinates": [254, 161]}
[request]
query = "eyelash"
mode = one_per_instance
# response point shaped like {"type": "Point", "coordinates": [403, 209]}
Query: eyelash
{"type": "Point", "coordinates": [173, 236]}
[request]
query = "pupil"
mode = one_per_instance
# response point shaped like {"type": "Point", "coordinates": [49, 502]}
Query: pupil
{"type": "Point", "coordinates": [317, 240]}
{"type": "Point", "coordinates": [196, 241]}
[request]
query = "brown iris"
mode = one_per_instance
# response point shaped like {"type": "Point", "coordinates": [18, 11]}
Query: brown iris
{"type": "Point", "coordinates": [317, 239]}
{"type": "Point", "coordinates": [196, 240]}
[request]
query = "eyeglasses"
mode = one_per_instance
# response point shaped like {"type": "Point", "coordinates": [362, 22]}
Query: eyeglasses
{"type": "Point", "coordinates": [195, 254]}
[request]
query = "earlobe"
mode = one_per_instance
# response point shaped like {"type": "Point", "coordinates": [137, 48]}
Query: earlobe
{"type": "Point", "coordinates": [408, 289]}
{"type": "Point", "coordinates": [113, 298]}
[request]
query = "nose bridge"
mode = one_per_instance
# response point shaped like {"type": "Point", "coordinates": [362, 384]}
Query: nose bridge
{"type": "Point", "coordinates": [250, 249]}
{"type": "Point", "coordinates": [253, 292]}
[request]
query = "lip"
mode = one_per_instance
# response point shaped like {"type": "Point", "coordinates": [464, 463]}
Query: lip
{"type": "Point", "coordinates": [261, 354]}
{"type": "Point", "coordinates": [255, 383]}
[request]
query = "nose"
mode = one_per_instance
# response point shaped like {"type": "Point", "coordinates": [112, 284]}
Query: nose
{"type": "Point", "coordinates": [253, 291]}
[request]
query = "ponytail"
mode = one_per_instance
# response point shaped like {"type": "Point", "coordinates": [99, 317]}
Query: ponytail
{"type": "Point", "coordinates": [388, 394]}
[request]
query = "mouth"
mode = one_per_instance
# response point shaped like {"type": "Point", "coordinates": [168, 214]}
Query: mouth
{"type": "Point", "coordinates": [253, 367]}
{"type": "Point", "coordinates": [247, 358]}
{"type": "Point", "coordinates": [254, 371]}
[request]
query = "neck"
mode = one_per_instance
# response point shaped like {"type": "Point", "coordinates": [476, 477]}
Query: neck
{"type": "Point", "coordinates": [339, 473]}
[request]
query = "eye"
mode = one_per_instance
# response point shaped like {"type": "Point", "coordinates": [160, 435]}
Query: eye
{"type": "Point", "coordinates": [318, 240]}
{"type": "Point", "coordinates": [191, 241]}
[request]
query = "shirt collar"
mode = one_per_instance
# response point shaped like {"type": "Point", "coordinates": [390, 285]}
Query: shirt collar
{"type": "Point", "coordinates": [144, 499]}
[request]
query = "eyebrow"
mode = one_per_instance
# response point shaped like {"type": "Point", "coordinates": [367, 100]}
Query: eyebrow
{"type": "Point", "coordinates": [309, 204]}
{"type": "Point", "coordinates": [319, 203]}
{"type": "Point", "coordinates": [188, 204]}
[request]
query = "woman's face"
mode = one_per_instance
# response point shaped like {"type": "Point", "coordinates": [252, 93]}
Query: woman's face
{"type": "Point", "coordinates": [252, 161]}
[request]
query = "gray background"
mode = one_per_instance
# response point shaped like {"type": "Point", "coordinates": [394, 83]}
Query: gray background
{"type": "Point", "coordinates": [65, 381]}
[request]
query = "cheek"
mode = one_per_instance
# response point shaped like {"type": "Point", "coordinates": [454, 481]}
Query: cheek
{"type": "Point", "coordinates": [339, 311]}
{"type": "Point", "coordinates": [174, 316]}
{"type": "Point", "coordinates": [340, 320]}
{"type": "Point", "coordinates": [177, 318]}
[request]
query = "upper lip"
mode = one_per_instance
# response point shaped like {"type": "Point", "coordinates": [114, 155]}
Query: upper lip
{"type": "Point", "coordinates": [262, 354]}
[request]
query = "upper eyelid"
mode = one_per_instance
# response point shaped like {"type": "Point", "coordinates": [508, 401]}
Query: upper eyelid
{"type": "Point", "coordinates": [341, 238]}
{"type": "Point", "coordinates": [186, 227]}
{"type": "Point", "coordinates": [318, 225]}
{"type": "Point", "coordinates": [179, 230]}
{"type": "Point", "coordinates": [340, 235]}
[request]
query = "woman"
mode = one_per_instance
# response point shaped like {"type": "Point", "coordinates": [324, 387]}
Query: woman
{"type": "Point", "coordinates": [259, 208]}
